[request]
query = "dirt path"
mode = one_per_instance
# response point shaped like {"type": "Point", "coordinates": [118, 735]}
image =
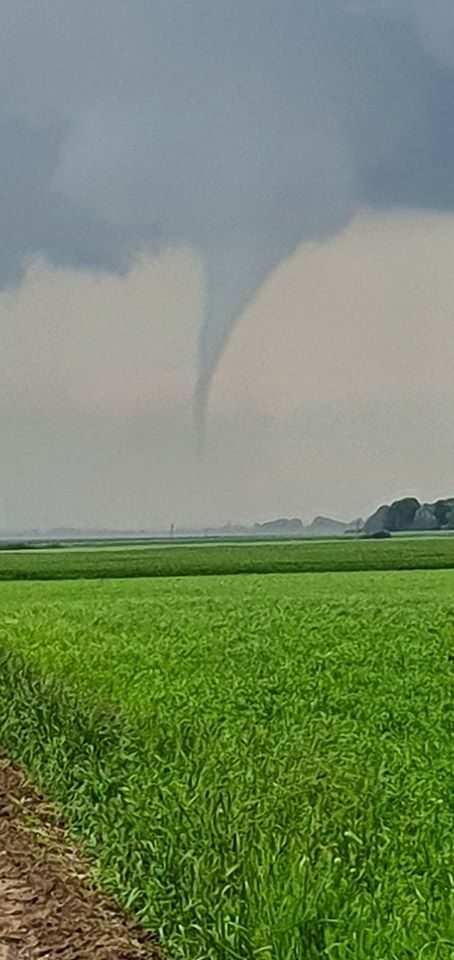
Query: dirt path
{"type": "Point", "coordinates": [47, 909]}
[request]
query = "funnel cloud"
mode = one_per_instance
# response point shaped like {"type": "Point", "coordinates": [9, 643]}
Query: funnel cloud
{"type": "Point", "coordinates": [239, 130]}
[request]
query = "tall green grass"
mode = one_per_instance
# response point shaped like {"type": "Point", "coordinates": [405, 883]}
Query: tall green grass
{"type": "Point", "coordinates": [413, 553]}
{"type": "Point", "coordinates": [263, 767]}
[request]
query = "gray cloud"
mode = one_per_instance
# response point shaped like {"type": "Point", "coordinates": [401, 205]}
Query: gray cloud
{"type": "Point", "coordinates": [436, 27]}
{"type": "Point", "coordinates": [237, 129]}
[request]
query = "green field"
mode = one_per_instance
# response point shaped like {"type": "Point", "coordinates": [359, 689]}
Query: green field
{"type": "Point", "coordinates": [262, 766]}
{"type": "Point", "coordinates": [181, 560]}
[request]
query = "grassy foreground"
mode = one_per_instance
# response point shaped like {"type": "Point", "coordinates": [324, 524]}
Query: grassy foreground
{"type": "Point", "coordinates": [179, 560]}
{"type": "Point", "coordinates": [263, 766]}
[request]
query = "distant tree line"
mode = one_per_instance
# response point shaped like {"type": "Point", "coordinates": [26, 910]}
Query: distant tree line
{"type": "Point", "coordinates": [408, 514]}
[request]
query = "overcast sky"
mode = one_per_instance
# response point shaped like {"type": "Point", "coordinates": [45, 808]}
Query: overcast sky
{"type": "Point", "coordinates": [255, 195]}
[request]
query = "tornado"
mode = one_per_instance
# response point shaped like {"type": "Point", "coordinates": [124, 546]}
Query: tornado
{"type": "Point", "coordinates": [234, 276]}
{"type": "Point", "coordinates": [236, 130]}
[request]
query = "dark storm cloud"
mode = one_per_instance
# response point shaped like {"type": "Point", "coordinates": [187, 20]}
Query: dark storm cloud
{"type": "Point", "coordinates": [238, 129]}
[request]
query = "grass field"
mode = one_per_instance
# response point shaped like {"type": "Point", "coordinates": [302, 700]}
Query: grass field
{"type": "Point", "coordinates": [178, 560]}
{"type": "Point", "coordinates": [263, 766]}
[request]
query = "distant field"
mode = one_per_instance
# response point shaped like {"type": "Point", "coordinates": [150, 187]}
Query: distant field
{"type": "Point", "coordinates": [240, 558]}
{"type": "Point", "coordinates": [264, 766]}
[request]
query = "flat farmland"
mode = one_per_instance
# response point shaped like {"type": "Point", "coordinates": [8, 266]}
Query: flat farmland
{"type": "Point", "coordinates": [213, 559]}
{"type": "Point", "coordinates": [261, 766]}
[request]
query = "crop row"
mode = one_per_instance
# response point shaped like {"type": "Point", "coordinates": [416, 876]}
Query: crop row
{"type": "Point", "coordinates": [417, 553]}
{"type": "Point", "coordinates": [262, 767]}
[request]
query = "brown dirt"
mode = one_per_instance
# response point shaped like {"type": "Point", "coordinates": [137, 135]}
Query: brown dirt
{"type": "Point", "coordinates": [49, 909]}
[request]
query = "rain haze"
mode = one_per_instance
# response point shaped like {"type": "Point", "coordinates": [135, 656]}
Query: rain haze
{"type": "Point", "coordinates": [224, 224]}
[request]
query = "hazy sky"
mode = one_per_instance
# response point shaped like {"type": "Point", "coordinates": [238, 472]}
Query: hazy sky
{"type": "Point", "coordinates": [276, 173]}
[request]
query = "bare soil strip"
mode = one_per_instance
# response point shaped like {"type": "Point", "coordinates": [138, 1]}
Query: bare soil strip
{"type": "Point", "coordinates": [48, 909]}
